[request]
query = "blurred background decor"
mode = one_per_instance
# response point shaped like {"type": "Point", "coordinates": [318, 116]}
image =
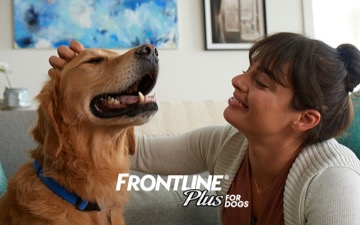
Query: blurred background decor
{"type": "Point", "coordinates": [13, 98]}
{"type": "Point", "coordinates": [234, 24]}
{"type": "Point", "coordinates": [97, 24]}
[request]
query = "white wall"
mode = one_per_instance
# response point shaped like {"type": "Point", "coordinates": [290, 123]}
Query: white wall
{"type": "Point", "coordinates": [188, 73]}
{"type": "Point", "coordinates": [342, 28]}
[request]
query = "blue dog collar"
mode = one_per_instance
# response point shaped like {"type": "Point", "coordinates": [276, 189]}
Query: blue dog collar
{"type": "Point", "coordinates": [74, 199]}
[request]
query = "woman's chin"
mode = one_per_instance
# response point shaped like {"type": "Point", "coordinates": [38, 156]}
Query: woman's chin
{"type": "Point", "coordinates": [235, 118]}
{"type": "Point", "coordinates": [230, 116]}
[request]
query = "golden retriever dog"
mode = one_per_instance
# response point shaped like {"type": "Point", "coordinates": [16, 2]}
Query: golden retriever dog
{"type": "Point", "coordinates": [85, 135]}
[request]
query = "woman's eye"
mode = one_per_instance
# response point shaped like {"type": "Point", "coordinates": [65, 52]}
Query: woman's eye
{"type": "Point", "coordinates": [260, 84]}
{"type": "Point", "coordinates": [95, 60]}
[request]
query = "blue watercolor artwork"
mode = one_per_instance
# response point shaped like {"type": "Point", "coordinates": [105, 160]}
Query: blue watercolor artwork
{"type": "Point", "coordinates": [95, 23]}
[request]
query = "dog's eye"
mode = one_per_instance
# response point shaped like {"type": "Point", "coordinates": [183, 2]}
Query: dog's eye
{"type": "Point", "coordinates": [95, 60]}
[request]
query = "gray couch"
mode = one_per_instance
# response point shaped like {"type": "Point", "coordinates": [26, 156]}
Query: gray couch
{"type": "Point", "coordinates": [154, 207]}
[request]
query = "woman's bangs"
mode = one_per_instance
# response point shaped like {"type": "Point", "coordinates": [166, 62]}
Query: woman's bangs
{"type": "Point", "coordinates": [274, 57]}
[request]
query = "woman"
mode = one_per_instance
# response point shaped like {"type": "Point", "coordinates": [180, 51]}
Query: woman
{"type": "Point", "coordinates": [278, 150]}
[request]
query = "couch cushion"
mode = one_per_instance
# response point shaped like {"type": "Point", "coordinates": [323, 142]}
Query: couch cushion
{"type": "Point", "coordinates": [166, 207]}
{"type": "Point", "coordinates": [179, 117]}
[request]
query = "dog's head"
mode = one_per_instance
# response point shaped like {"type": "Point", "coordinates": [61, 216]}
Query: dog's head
{"type": "Point", "coordinates": [99, 88]}
{"type": "Point", "coordinates": [106, 86]}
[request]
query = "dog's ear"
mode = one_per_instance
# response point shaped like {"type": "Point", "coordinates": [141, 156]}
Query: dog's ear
{"type": "Point", "coordinates": [46, 131]}
{"type": "Point", "coordinates": [130, 134]}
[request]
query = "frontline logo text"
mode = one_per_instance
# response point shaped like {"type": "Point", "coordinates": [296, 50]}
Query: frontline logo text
{"type": "Point", "coordinates": [171, 182]}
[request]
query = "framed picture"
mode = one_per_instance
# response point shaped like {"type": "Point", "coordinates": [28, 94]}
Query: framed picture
{"type": "Point", "coordinates": [96, 24]}
{"type": "Point", "coordinates": [233, 24]}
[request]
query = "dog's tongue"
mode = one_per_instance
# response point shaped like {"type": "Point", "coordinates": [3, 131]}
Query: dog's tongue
{"type": "Point", "coordinates": [128, 99]}
{"type": "Point", "coordinates": [120, 101]}
{"type": "Point", "coordinates": [125, 100]}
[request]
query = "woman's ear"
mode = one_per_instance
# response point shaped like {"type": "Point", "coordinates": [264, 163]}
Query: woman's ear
{"type": "Point", "coordinates": [307, 120]}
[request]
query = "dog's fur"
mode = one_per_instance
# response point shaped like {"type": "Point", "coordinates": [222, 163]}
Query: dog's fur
{"type": "Point", "coordinates": [80, 151]}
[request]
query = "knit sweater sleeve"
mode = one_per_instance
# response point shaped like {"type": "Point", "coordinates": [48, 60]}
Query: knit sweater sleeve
{"type": "Point", "coordinates": [334, 198]}
{"type": "Point", "coordinates": [189, 153]}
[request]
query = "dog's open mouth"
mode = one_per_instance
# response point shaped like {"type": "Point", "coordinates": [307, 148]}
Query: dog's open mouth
{"type": "Point", "coordinates": [130, 102]}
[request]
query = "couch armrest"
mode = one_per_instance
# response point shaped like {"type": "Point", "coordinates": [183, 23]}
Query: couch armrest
{"type": "Point", "coordinates": [15, 141]}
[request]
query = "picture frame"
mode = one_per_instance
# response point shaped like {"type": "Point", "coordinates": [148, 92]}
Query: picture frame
{"type": "Point", "coordinates": [233, 24]}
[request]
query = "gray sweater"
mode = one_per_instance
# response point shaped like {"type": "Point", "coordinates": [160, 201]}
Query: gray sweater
{"type": "Point", "coordinates": [322, 187]}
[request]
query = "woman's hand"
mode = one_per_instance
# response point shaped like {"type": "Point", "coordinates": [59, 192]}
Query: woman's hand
{"type": "Point", "coordinates": [66, 54]}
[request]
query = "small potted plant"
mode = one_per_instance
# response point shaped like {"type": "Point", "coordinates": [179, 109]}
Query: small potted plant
{"type": "Point", "coordinates": [14, 98]}
{"type": "Point", "coordinates": [4, 68]}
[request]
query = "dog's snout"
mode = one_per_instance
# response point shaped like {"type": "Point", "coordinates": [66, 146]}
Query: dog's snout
{"type": "Point", "coordinates": [147, 51]}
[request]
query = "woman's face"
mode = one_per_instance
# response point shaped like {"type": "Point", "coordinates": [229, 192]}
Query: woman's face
{"type": "Point", "coordinates": [260, 107]}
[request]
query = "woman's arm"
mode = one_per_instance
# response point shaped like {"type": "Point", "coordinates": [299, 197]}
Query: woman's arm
{"type": "Point", "coordinates": [334, 198]}
{"type": "Point", "coordinates": [189, 153]}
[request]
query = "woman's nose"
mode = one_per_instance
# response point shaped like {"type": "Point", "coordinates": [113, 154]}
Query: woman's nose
{"type": "Point", "coordinates": [240, 82]}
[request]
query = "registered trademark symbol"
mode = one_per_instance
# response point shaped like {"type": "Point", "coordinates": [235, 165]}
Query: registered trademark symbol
{"type": "Point", "coordinates": [226, 177]}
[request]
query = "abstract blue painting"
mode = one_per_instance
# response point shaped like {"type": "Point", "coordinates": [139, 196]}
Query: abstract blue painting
{"type": "Point", "coordinates": [95, 23]}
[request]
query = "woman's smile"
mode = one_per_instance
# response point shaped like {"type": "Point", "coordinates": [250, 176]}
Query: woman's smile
{"type": "Point", "coordinates": [236, 101]}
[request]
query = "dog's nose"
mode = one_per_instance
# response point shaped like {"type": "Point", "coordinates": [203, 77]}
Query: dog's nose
{"type": "Point", "coordinates": [147, 51]}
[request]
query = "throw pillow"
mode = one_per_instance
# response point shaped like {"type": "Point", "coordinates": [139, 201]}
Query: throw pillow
{"type": "Point", "coordinates": [2, 180]}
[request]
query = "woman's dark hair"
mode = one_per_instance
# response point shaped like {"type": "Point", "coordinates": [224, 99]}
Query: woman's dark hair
{"type": "Point", "coordinates": [322, 77]}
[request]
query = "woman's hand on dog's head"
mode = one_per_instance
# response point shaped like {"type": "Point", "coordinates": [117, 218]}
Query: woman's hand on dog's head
{"type": "Point", "coordinates": [66, 54]}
